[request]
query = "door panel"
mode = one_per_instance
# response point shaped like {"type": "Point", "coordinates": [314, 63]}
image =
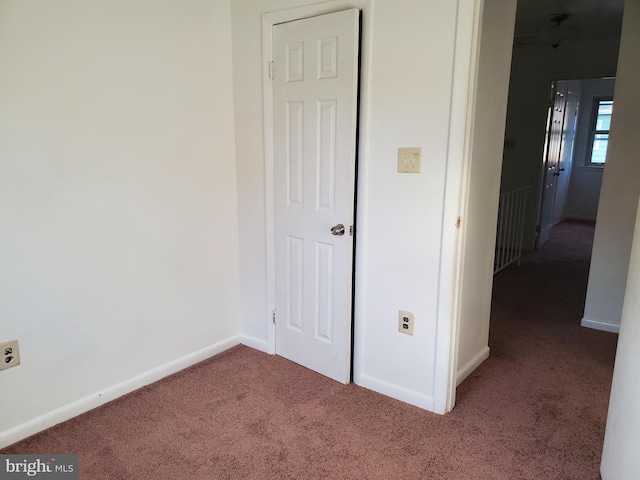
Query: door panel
{"type": "Point", "coordinates": [552, 158]}
{"type": "Point", "coordinates": [315, 100]}
{"type": "Point", "coordinates": [563, 174]}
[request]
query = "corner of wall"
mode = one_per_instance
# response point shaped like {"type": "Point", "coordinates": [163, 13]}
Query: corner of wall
{"type": "Point", "coordinates": [600, 325]}
{"type": "Point", "coordinates": [108, 394]}
{"type": "Point", "coordinates": [472, 364]}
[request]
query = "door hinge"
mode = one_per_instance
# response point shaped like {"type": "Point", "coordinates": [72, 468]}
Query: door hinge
{"type": "Point", "coordinates": [271, 70]}
{"type": "Point", "coordinates": [273, 315]}
{"type": "Point", "coordinates": [351, 230]}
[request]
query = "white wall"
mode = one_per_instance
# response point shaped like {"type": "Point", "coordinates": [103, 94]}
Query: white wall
{"type": "Point", "coordinates": [479, 222]}
{"type": "Point", "coordinates": [620, 460]}
{"type": "Point", "coordinates": [533, 69]}
{"type": "Point", "coordinates": [620, 190]}
{"type": "Point", "coordinates": [119, 243]}
{"type": "Point", "coordinates": [400, 227]}
{"type": "Point", "coordinates": [584, 188]}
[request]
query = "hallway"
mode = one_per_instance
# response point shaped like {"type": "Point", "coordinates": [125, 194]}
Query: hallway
{"type": "Point", "coordinates": [546, 374]}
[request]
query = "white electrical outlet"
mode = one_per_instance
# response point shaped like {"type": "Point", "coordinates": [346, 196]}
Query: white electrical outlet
{"type": "Point", "coordinates": [409, 160]}
{"type": "Point", "coordinates": [405, 322]}
{"type": "Point", "coordinates": [9, 354]}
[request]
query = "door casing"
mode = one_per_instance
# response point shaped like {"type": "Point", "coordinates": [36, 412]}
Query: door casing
{"type": "Point", "coordinates": [465, 65]}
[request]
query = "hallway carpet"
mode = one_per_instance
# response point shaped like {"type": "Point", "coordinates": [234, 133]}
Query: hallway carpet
{"type": "Point", "coordinates": [536, 409]}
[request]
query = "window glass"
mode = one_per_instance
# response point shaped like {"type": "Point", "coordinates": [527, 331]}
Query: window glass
{"type": "Point", "coordinates": [603, 121]}
{"type": "Point", "coordinates": [600, 131]}
{"type": "Point", "coordinates": [599, 150]}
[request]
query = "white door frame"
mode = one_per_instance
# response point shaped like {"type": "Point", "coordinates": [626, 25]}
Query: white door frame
{"type": "Point", "coordinates": [457, 183]}
{"type": "Point", "coordinates": [268, 21]}
{"type": "Point", "coordinates": [456, 204]}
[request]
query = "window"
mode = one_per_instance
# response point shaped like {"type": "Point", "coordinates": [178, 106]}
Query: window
{"type": "Point", "coordinates": [600, 131]}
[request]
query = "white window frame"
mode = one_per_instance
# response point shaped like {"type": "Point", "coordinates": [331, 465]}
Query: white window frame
{"type": "Point", "coordinates": [593, 131]}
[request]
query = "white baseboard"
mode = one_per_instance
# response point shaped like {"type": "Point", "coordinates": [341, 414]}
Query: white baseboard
{"type": "Point", "coordinates": [471, 365]}
{"type": "Point", "coordinates": [399, 393]}
{"type": "Point", "coordinates": [253, 342]}
{"type": "Point", "coordinates": [600, 325]}
{"type": "Point", "coordinates": [94, 400]}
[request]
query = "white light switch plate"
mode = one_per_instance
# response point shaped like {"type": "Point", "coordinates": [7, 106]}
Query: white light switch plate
{"type": "Point", "coordinates": [409, 160]}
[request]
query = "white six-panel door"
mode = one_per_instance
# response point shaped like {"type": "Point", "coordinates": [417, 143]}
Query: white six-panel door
{"type": "Point", "coordinates": [550, 174]}
{"type": "Point", "coordinates": [315, 65]}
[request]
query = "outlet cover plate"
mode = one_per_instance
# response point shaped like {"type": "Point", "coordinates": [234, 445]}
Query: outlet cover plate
{"type": "Point", "coordinates": [409, 159]}
{"type": "Point", "coordinates": [405, 322]}
{"type": "Point", "coordinates": [9, 354]}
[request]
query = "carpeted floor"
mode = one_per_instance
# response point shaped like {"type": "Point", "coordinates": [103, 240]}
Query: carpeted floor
{"type": "Point", "coordinates": [536, 409]}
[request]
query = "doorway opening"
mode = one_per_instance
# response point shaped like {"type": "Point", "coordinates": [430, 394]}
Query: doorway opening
{"type": "Point", "coordinates": [534, 66]}
{"type": "Point", "coordinates": [574, 153]}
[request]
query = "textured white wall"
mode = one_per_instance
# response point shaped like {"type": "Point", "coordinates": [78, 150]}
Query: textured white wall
{"type": "Point", "coordinates": [620, 189]}
{"type": "Point", "coordinates": [410, 105]}
{"type": "Point", "coordinates": [118, 217]}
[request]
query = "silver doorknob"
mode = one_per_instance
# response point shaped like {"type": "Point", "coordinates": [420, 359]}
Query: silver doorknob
{"type": "Point", "coordinates": [337, 230]}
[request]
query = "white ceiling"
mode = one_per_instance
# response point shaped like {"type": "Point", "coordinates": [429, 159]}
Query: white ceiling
{"type": "Point", "coordinates": [588, 19]}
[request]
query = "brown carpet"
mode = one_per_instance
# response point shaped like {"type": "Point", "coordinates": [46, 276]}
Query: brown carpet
{"type": "Point", "coordinates": [536, 409]}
